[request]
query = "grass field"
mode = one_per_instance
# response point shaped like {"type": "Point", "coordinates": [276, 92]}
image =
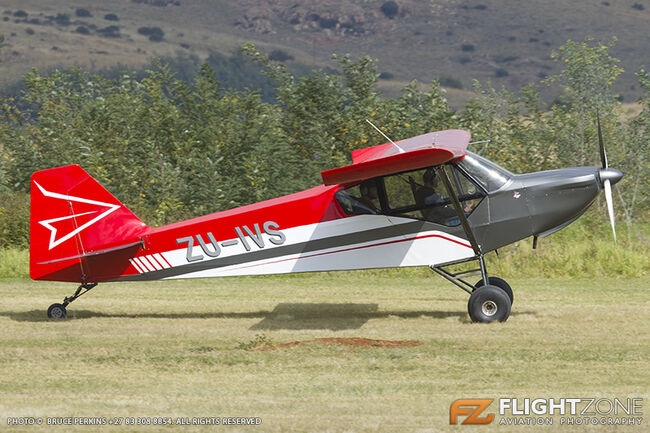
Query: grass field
{"type": "Point", "coordinates": [190, 349]}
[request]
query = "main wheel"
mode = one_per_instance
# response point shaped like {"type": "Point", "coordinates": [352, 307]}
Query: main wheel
{"type": "Point", "coordinates": [489, 303]}
{"type": "Point", "coordinates": [56, 311]}
{"type": "Point", "coordinates": [500, 283]}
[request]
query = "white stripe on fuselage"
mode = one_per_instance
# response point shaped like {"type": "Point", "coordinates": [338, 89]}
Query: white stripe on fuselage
{"type": "Point", "coordinates": [417, 249]}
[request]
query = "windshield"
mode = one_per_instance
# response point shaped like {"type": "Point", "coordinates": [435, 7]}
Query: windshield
{"type": "Point", "coordinates": [487, 173]}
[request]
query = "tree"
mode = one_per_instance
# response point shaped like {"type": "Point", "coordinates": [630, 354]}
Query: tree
{"type": "Point", "coordinates": [589, 73]}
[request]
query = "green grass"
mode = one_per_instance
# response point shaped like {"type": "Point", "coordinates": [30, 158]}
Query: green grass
{"type": "Point", "coordinates": [185, 349]}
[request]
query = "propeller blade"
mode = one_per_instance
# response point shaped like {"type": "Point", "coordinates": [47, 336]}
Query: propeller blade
{"type": "Point", "coordinates": [610, 205]}
{"type": "Point", "coordinates": [601, 144]}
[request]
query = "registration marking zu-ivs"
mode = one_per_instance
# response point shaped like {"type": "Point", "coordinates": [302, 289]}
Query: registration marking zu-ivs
{"type": "Point", "coordinates": [244, 234]}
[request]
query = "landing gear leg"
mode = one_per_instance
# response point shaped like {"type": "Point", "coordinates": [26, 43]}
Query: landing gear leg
{"type": "Point", "coordinates": [58, 311]}
{"type": "Point", "coordinates": [487, 302]}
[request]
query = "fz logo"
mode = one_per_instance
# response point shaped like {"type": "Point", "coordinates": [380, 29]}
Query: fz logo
{"type": "Point", "coordinates": [245, 236]}
{"type": "Point", "coordinates": [471, 408]}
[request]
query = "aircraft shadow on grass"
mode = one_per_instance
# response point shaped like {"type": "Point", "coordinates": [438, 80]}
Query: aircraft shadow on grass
{"type": "Point", "coordinates": [292, 316]}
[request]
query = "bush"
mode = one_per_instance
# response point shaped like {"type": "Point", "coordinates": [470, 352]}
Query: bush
{"type": "Point", "coordinates": [81, 12]}
{"type": "Point", "coordinates": [109, 32]}
{"type": "Point", "coordinates": [386, 76]}
{"type": "Point", "coordinates": [390, 9]}
{"type": "Point", "coordinates": [452, 82]}
{"type": "Point", "coordinates": [14, 220]}
{"type": "Point", "coordinates": [62, 19]}
{"type": "Point", "coordinates": [20, 14]}
{"type": "Point", "coordinates": [29, 31]}
{"type": "Point", "coordinates": [156, 34]}
{"type": "Point", "coordinates": [638, 6]}
{"type": "Point", "coordinates": [111, 17]}
{"type": "Point", "coordinates": [467, 47]}
{"type": "Point", "coordinates": [505, 59]}
{"type": "Point", "coordinates": [500, 73]}
{"type": "Point", "coordinates": [280, 56]}
{"type": "Point", "coordinates": [82, 30]}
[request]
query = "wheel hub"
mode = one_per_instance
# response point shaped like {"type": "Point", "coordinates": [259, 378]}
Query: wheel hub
{"type": "Point", "coordinates": [489, 308]}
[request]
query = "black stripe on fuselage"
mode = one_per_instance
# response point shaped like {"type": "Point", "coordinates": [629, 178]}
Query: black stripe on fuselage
{"type": "Point", "coordinates": [298, 248]}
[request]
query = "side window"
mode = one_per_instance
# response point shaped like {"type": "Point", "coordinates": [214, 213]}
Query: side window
{"type": "Point", "coordinates": [361, 199]}
{"type": "Point", "coordinates": [469, 194]}
{"type": "Point", "coordinates": [418, 194]}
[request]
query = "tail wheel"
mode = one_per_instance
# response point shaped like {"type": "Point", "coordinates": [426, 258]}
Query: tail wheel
{"type": "Point", "coordinates": [488, 304]}
{"type": "Point", "coordinates": [56, 311]}
{"type": "Point", "coordinates": [500, 283]}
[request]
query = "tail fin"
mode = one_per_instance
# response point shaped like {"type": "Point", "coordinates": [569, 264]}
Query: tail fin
{"type": "Point", "coordinates": [78, 230]}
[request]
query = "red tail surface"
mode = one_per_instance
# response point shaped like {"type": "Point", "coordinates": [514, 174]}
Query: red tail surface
{"type": "Point", "coordinates": [78, 230]}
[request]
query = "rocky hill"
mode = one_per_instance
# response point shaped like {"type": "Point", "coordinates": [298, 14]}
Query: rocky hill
{"type": "Point", "coordinates": [506, 41]}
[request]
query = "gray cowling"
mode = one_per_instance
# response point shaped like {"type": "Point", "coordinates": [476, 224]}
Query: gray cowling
{"type": "Point", "coordinates": [539, 204]}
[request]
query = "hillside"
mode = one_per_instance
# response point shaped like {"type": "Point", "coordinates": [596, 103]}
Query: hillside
{"type": "Point", "coordinates": [506, 41]}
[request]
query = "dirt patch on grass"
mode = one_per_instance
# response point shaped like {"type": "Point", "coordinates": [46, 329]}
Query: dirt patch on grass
{"type": "Point", "coordinates": [350, 342]}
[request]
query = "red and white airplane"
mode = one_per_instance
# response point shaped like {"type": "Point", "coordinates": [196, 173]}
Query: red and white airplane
{"type": "Point", "coordinates": [423, 201]}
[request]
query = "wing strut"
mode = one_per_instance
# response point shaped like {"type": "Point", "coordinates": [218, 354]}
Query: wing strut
{"type": "Point", "coordinates": [460, 212]}
{"type": "Point", "coordinates": [468, 229]}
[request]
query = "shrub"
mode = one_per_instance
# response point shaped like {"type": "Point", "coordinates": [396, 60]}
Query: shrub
{"type": "Point", "coordinates": [155, 34]}
{"type": "Point", "coordinates": [452, 82]}
{"type": "Point", "coordinates": [499, 73]}
{"type": "Point", "coordinates": [467, 47]}
{"type": "Point", "coordinates": [62, 19]}
{"type": "Point", "coordinates": [386, 76]}
{"type": "Point", "coordinates": [463, 60]}
{"type": "Point", "coordinates": [505, 59]}
{"type": "Point", "coordinates": [29, 31]}
{"type": "Point", "coordinates": [20, 14]}
{"type": "Point", "coordinates": [111, 17]}
{"type": "Point", "coordinates": [81, 12]}
{"type": "Point", "coordinates": [109, 32]}
{"type": "Point", "coordinates": [280, 56]}
{"type": "Point", "coordinates": [82, 30]}
{"type": "Point", "coordinates": [638, 6]}
{"type": "Point", "coordinates": [390, 9]}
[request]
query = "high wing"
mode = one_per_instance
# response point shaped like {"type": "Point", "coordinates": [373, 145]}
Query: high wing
{"type": "Point", "coordinates": [412, 153]}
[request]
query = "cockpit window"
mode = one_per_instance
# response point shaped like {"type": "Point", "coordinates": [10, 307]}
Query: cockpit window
{"type": "Point", "coordinates": [418, 194]}
{"type": "Point", "coordinates": [488, 174]}
{"type": "Point", "coordinates": [361, 199]}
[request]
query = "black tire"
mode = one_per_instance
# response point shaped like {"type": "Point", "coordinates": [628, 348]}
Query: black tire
{"type": "Point", "coordinates": [489, 304]}
{"type": "Point", "coordinates": [56, 311]}
{"type": "Point", "coordinates": [500, 283]}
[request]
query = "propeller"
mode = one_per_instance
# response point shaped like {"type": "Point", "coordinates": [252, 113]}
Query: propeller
{"type": "Point", "coordinates": [606, 176]}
